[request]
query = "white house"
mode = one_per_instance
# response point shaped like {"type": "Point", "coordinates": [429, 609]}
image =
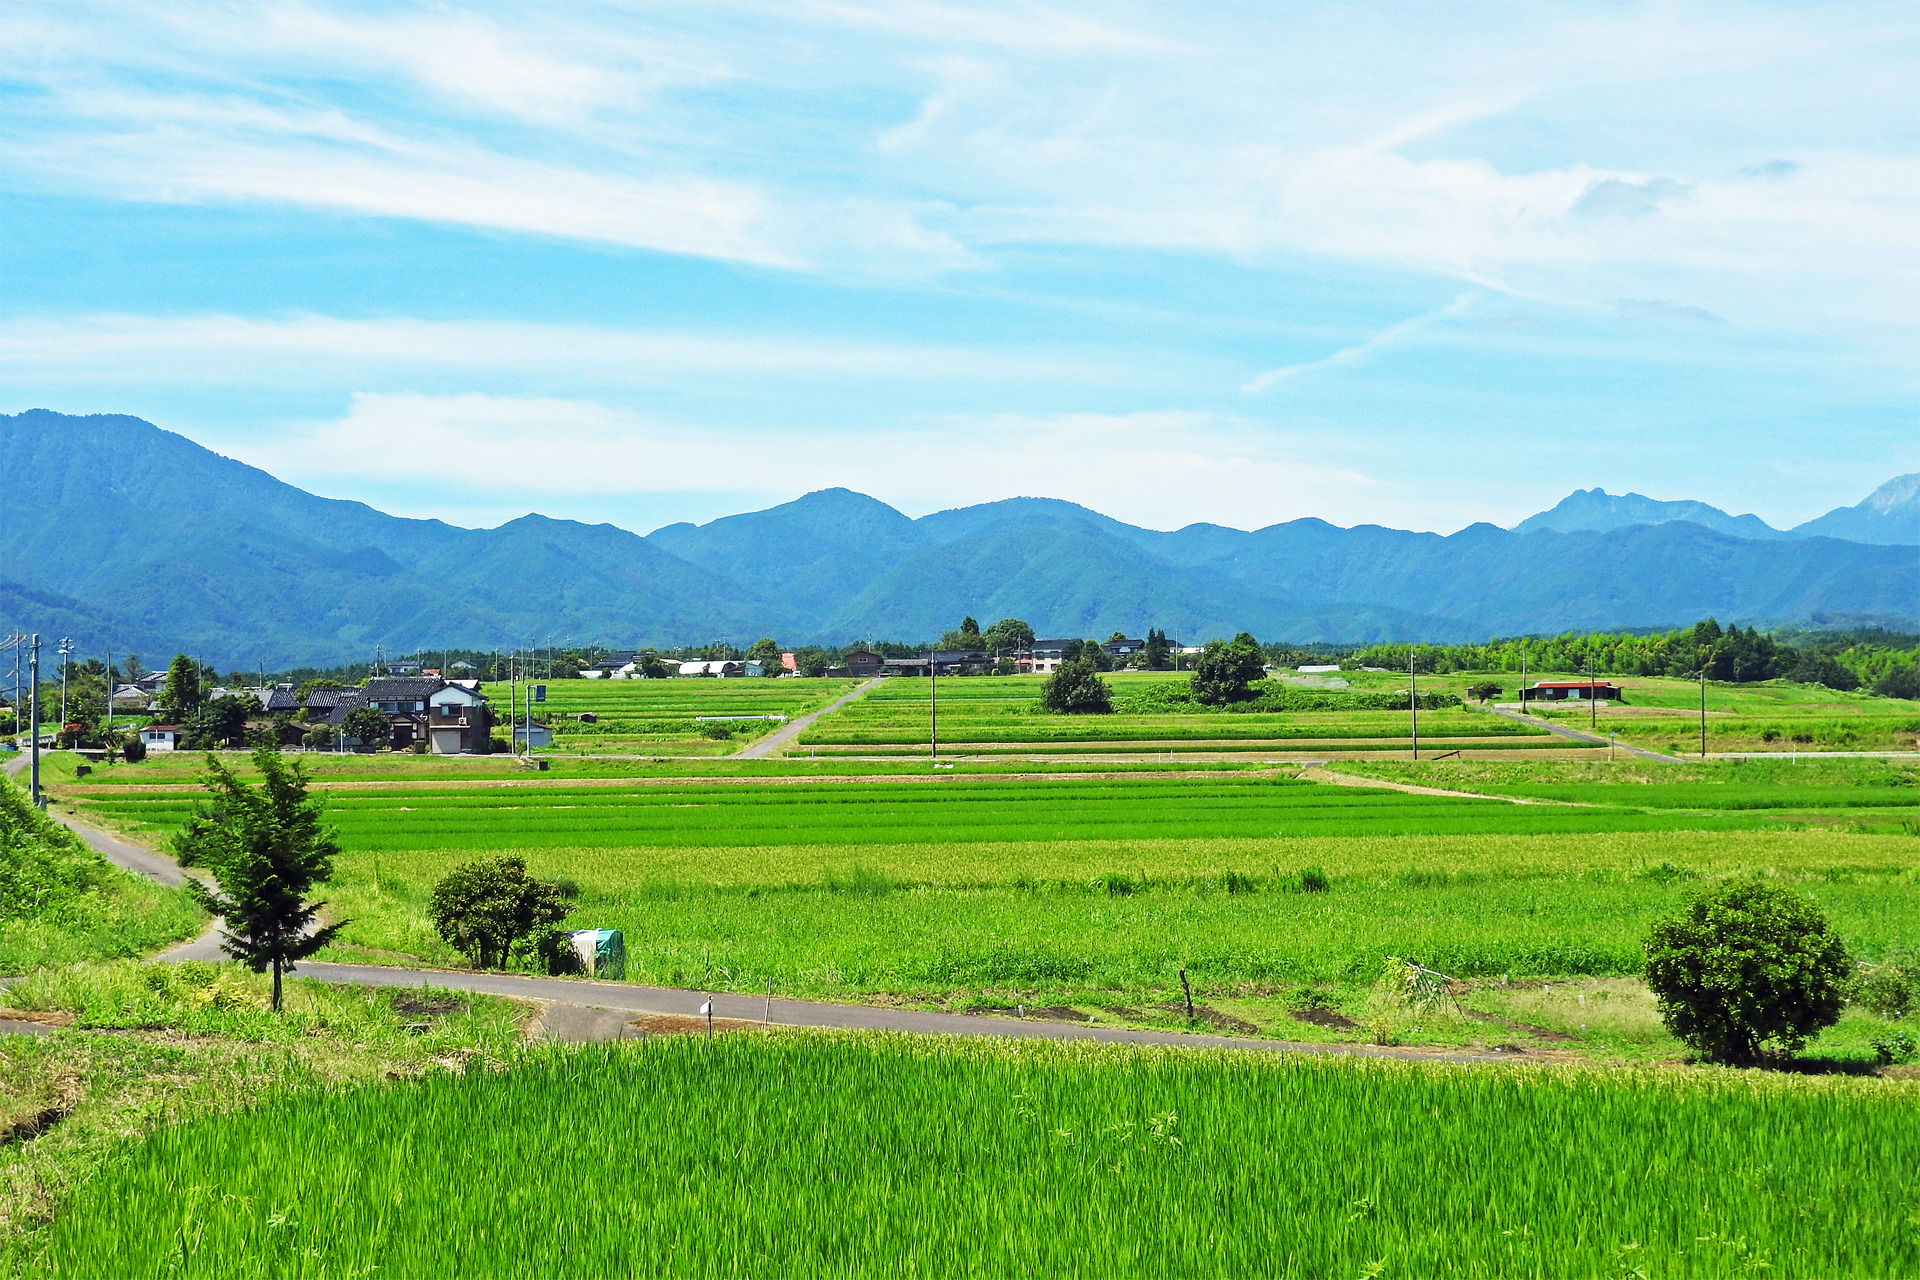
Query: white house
{"type": "Point", "coordinates": [160, 737]}
{"type": "Point", "coordinates": [730, 667]}
{"type": "Point", "coordinates": [457, 721]}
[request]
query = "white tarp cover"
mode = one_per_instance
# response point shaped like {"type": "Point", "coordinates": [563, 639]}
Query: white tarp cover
{"type": "Point", "coordinates": [602, 952]}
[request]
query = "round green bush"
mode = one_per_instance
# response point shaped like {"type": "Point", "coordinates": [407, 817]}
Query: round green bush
{"type": "Point", "coordinates": [1744, 965]}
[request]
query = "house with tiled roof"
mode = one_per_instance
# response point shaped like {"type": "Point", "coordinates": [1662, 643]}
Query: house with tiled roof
{"type": "Point", "coordinates": [450, 716]}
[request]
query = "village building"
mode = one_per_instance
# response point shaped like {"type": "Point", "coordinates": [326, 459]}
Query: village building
{"type": "Point", "coordinates": [162, 737]}
{"type": "Point", "coordinates": [1573, 691]}
{"type": "Point", "coordinates": [450, 716]}
{"type": "Point", "coordinates": [946, 662]}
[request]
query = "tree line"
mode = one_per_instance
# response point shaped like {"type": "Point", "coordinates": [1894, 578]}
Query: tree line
{"type": "Point", "coordinates": [1887, 663]}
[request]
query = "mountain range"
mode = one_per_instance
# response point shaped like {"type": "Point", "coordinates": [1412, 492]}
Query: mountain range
{"type": "Point", "coordinates": [123, 535]}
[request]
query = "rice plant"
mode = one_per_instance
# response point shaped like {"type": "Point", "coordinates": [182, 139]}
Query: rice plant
{"type": "Point", "coordinates": [869, 1155]}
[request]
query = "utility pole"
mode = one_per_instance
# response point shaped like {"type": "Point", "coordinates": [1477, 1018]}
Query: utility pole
{"type": "Point", "coordinates": [1703, 705]}
{"type": "Point", "coordinates": [33, 694]}
{"type": "Point", "coordinates": [1413, 693]}
{"type": "Point", "coordinates": [66, 660]}
{"type": "Point", "coordinates": [109, 738]}
{"type": "Point", "coordinates": [933, 706]}
{"type": "Point", "coordinates": [1523, 677]}
{"type": "Point", "coordinates": [1593, 704]}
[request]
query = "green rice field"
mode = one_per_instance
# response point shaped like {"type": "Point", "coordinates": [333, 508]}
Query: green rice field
{"type": "Point", "coordinates": [960, 809]}
{"type": "Point", "coordinates": [649, 716]}
{"type": "Point", "coordinates": [1003, 715]}
{"type": "Point", "coordinates": [808, 1154]}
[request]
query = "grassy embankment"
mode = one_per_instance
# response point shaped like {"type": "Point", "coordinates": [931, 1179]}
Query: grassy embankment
{"type": "Point", "coordinates": [852, 1155]}
{"type": "Point", "coordinates": [61, 902]}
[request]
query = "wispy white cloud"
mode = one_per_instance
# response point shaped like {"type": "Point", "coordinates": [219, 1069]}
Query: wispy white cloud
{"type": "Point", "coordinates": [321, 350]}
{"type": "Point", "coordinates": [1160, 468]}
{"type": "Point", "coordinates": [1392, 336]}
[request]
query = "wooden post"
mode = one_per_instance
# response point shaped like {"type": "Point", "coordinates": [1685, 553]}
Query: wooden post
{"type": "Point", "coordinates": [1188, 988]}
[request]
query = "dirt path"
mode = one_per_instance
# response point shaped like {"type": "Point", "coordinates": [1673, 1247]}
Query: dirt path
{"type": "Point", "coordinates": [788, 732]}
{"type": "Point", "coordinates": [1520, 717]}
{"type": "Point", "coordinates": [1356, 780]}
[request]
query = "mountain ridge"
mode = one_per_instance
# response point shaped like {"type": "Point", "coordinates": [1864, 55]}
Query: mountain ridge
{"type": "Point", "coordinates": [173, 546]}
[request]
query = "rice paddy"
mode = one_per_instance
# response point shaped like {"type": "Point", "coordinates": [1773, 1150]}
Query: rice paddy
{"type": "Point", "coordinates": [863, 1155]}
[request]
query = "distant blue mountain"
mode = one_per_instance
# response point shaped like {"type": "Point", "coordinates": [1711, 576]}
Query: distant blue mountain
{"type": "Point", "coordinates": [118, 533]}
{"type": "Point", "coordinates": [1889, 516]}
{"type": "Point", "coordinates": [1597, 511]}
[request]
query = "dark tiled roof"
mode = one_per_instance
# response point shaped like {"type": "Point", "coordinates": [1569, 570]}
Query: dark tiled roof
{"type": "Point", "coordinates": [281, 700]}
{"type": "Point", "coordinates": [402, 688]}
{"type": "Point", "coordinates": [349, 700]}
{"type": "Point", "coordinates": [320, 699]}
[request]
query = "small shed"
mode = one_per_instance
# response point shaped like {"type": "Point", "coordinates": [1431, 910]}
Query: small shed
{"type": "Point", "coordinates": [1574, 691]}
{"type": "Point", "coordinates": [161, 737]}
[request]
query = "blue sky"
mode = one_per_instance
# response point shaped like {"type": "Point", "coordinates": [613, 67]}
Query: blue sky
{"type": "Point", "coordinates": [1415, 265]}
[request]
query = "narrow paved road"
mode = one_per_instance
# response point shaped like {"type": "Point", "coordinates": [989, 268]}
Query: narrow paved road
{"type": "Point", "coordinates": [793, 728]}
{"type": "Point", "coordinates": [1520, 717]}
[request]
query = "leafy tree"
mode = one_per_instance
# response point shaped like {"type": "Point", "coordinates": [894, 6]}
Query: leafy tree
{"type": "Point", "coordinates": [1007, 635]}
{"type": "Point", "coordinates": [485, 909]}
{"type": "Point", "coordinates": [1092, 654]}
{"type": "Point", "coordinates": [370, 725]}
{"type": "Point", "coordinates": [1157, 654]}
{"type": "Point", "coordinates": [812, 660]}
{"type": "Point", "coordinates": [181, 693]}
{"type": "Point", "coordinates": [1070, 650]}
{"type": "Point", "coordinates": [968, 627]}
{"type": "Point", "coordinates": [266, 848]}
{"type": "Point", "coordinates": [1744, 964]}
{"type": "Point", "coordinates": [651, 666]}
{"type": "Point", "coordinates": [311, 685]}
{"type": "Point", "coordinates": [1485, 691]}
{"type": "Point", "coordinates": [1076, 689]}
{"type": "Point", "coordinates": [1901, 682]}
{"type": "Point", "coordinates": [223, 720]}
{"type": "Point", "coordinates": [133, 748]}
{"type": "Point", "coordinates": [1225, 671]}
{"type": "Point", "coordinates": [766, 652]}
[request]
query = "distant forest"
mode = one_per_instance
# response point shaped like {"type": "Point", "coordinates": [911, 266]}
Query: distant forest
{"type": "Point", "coordinates": [1886, 662]}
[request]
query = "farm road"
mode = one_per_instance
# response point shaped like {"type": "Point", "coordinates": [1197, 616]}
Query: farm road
{"type": "Point", "coordinates": [637, 1002]}
{"type": "Point", "coordinates": [1519, 717]}
{"type": "Point", "coordinates": [579, 1009]}
{"type": "Point", "coordinates": [792, 729]}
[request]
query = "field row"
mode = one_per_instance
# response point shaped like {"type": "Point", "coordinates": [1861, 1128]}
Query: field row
{"type": "Point", "coordinates": [966, 810]}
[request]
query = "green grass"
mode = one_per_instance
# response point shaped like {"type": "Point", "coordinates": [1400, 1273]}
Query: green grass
{"type": "Point", "coordinates": [1860, 790]}
{"type": "Point", "coordinates": [856, 1155]}
{"type": "Point", "coordinates": [957, 809]}
{"type": "Point", "coordinates": [192, 1041]}
{"type": "Point", "coordinates": [1005, 713]}
{"type": "Point", "coordinates": [1118, 926]}
{"type": "Point", "coordinates": [61, 902]}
